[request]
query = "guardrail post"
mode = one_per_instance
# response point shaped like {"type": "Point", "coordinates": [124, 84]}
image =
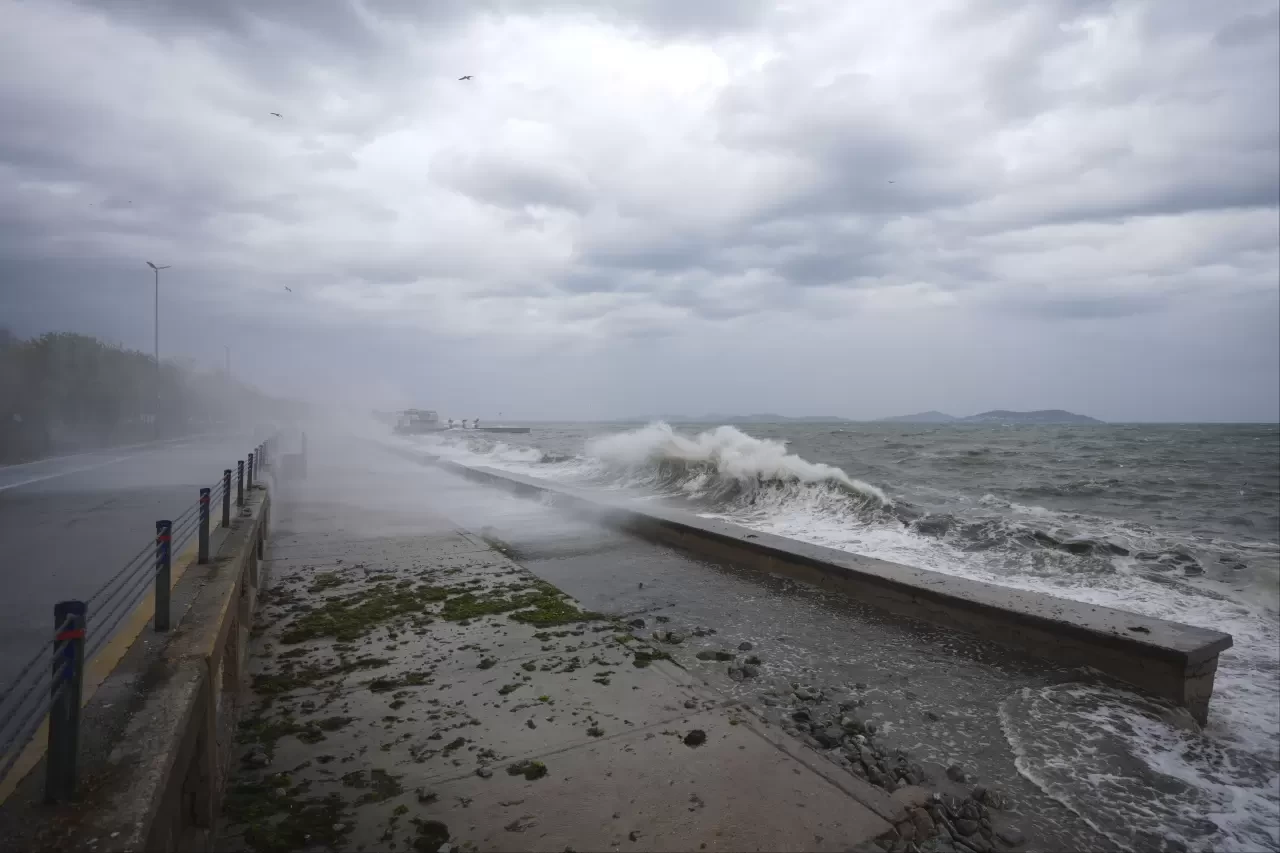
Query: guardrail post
{"type": "Point", "coordinates": [202, 548]}
{"type": "Point", "coordinates": [249, 472]}
{"type": "Point", "coordinates": [164, 532]}
{"type": "Point", "coordinates": [239, 483]}
{"type": "Point", "coordinates": [226, 497]}
{"type": "Point", "coordinates": [64, 709]}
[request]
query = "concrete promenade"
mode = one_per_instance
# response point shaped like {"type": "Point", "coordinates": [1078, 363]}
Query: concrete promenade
{"type": "Point", "coordinates": [417, 688]}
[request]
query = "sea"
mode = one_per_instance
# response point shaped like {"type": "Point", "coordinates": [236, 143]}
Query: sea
{"type": "Point", "coordinates": [1176, 521]}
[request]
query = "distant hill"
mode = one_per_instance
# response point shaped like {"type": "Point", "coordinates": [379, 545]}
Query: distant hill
{"type": "Point", "coordinates": [1041, 416]}
{"type": "Point", "coordinates": [716, 418]}
{"type": "Point", "coordinates": [929, 417]}
{"type": "Point", "coordinates": [996, 416]}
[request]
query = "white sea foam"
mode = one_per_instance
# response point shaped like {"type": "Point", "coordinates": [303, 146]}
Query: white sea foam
{"type": "Point", "coordinates": [724, 454]}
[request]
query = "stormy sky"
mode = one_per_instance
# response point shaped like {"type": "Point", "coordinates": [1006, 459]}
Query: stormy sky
{"type": "Point", "coordinates": [647, 206]}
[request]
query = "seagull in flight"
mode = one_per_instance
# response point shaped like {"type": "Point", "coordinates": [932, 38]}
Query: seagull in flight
{"type": "Point", "coordinates": [288, 288]}
{"type": "Point", "coordinates": [277, 115]}
{"type": "Point", "coordinates": [465, 77]}
{"type": "Point", "coordinates": [893, 182]}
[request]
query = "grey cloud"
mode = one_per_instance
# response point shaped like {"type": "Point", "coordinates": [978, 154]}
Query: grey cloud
{"type": "Point", "coordinates": [1250, 28]}
{"type": "Point", "coordinates": [354, 24]}
{"type": "Point", "coordinates": [1092, 308]}
{"type": "Point", "coordinates": [507, 181]}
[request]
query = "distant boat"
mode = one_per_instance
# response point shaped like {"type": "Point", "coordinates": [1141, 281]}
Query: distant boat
{"type": "Point", "coordinates": [417, 421]}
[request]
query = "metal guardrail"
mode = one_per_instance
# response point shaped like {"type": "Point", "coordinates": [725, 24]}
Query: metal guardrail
{"type": "Point", "coordinates": [49, 686]}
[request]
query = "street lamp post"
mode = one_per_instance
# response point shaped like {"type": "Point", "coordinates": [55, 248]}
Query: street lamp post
{"type": "Point", "coordinates": [156, 270]}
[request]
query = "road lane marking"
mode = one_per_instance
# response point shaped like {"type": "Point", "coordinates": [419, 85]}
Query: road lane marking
{"type": "Point", "coordinates": [103, 450]}
{"type": "Point", "coordinates": [44, 477]}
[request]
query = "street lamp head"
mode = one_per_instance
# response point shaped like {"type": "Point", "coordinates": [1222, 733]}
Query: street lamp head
{"type": "Point", "coordinates": [154, 267]}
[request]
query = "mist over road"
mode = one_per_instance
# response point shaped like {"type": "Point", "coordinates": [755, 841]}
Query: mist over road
{"type": "Point", "coordinates": [68, 524]}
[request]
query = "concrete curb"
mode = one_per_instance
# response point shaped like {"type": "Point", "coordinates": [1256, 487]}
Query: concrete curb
{"type": "Point", "coordinates": [1168, 659]}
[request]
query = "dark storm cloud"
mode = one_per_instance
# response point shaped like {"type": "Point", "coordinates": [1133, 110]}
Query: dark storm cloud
{"type": "Point", "coordinates": [354, 23]}
{"type": "Point", "coordinates": [650, 179]}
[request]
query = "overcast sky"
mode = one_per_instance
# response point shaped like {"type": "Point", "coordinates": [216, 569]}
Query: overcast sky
{"type": "Point", "coordinates": [642, 206]}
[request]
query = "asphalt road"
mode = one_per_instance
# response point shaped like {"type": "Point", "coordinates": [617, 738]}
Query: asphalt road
{"type": "Point", "coordinates": [68, 524]}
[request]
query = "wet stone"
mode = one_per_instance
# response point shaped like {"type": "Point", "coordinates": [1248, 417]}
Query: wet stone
{"type": "Point", "coordinates": [924, 825]}
{"type": "Point", "coordinates": [830, 737]}
{"type": "Point", "coordinates": [1011, 836]}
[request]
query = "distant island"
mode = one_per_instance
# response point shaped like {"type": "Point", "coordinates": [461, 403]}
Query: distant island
{"type": "Point", "coordinates": [716, 418]}
{"type": "Point", "coordinates": [996, 416]}
{"type": "Point", "coordinates": [929, 417]}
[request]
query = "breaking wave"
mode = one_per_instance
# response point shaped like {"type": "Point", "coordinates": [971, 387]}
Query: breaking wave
{"type": "Point", "coordinates": [725, 468]}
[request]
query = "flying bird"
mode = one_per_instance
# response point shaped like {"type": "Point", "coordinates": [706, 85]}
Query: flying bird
{"type": "Point", "coordinates": [893, 182]}
{"type": "Point", "coordinates": [465, 77]}
{"type": "Point", "coordinates": [277, 115]}
{"type": "Point", "coordinates": [288, 288]}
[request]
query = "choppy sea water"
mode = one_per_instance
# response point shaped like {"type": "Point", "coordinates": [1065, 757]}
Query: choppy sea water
{"type": "Point", "coordinates": [1180, 522]}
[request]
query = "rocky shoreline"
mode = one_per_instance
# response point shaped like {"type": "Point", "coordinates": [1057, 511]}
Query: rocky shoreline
{"type": "Point", "coordinates": [947, 811]}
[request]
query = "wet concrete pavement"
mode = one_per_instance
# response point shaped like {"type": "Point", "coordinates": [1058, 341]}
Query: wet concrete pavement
{"type": "Point", "coordinates": [932, 693]}
{"type": "Point", "coordinates": [404, 705]}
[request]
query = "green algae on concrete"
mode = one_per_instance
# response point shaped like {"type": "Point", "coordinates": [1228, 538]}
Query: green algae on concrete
{"type": "Point", "coordinates": [537, 603]}
{"type": "Point", "coordinates": [528, 769]}
{"type": "Point", "coordinates": [265, 732]}
{"type": "Point", "coordinates": [290, 678]}
{"type": "Point", "coordinates": [278, 818]}
{"type": "Point", "coordinates": [381, 785]}
{"type": "Point", "coordinates": [409, 679]}
{"type": "Point", "coordinates": [350, 617]}
{"type": "Point", "coordinates": [326, 580]}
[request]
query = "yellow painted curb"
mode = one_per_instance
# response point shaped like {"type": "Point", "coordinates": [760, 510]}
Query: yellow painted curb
{"type": "Point", "coordinates": [102, 665]}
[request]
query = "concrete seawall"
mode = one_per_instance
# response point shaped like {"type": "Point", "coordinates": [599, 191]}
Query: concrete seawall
{"type": "Point", "coordinates": [1168, 659]}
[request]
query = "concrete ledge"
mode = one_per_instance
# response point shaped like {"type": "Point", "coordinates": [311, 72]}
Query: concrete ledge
{"type": "Point", "coordinates": [1168, 659]}
{"type": "Point", "coordinates": [167, 770]}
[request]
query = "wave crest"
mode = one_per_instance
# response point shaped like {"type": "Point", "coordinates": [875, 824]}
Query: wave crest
{"type": "Point", "coordinates": [725, 465]}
